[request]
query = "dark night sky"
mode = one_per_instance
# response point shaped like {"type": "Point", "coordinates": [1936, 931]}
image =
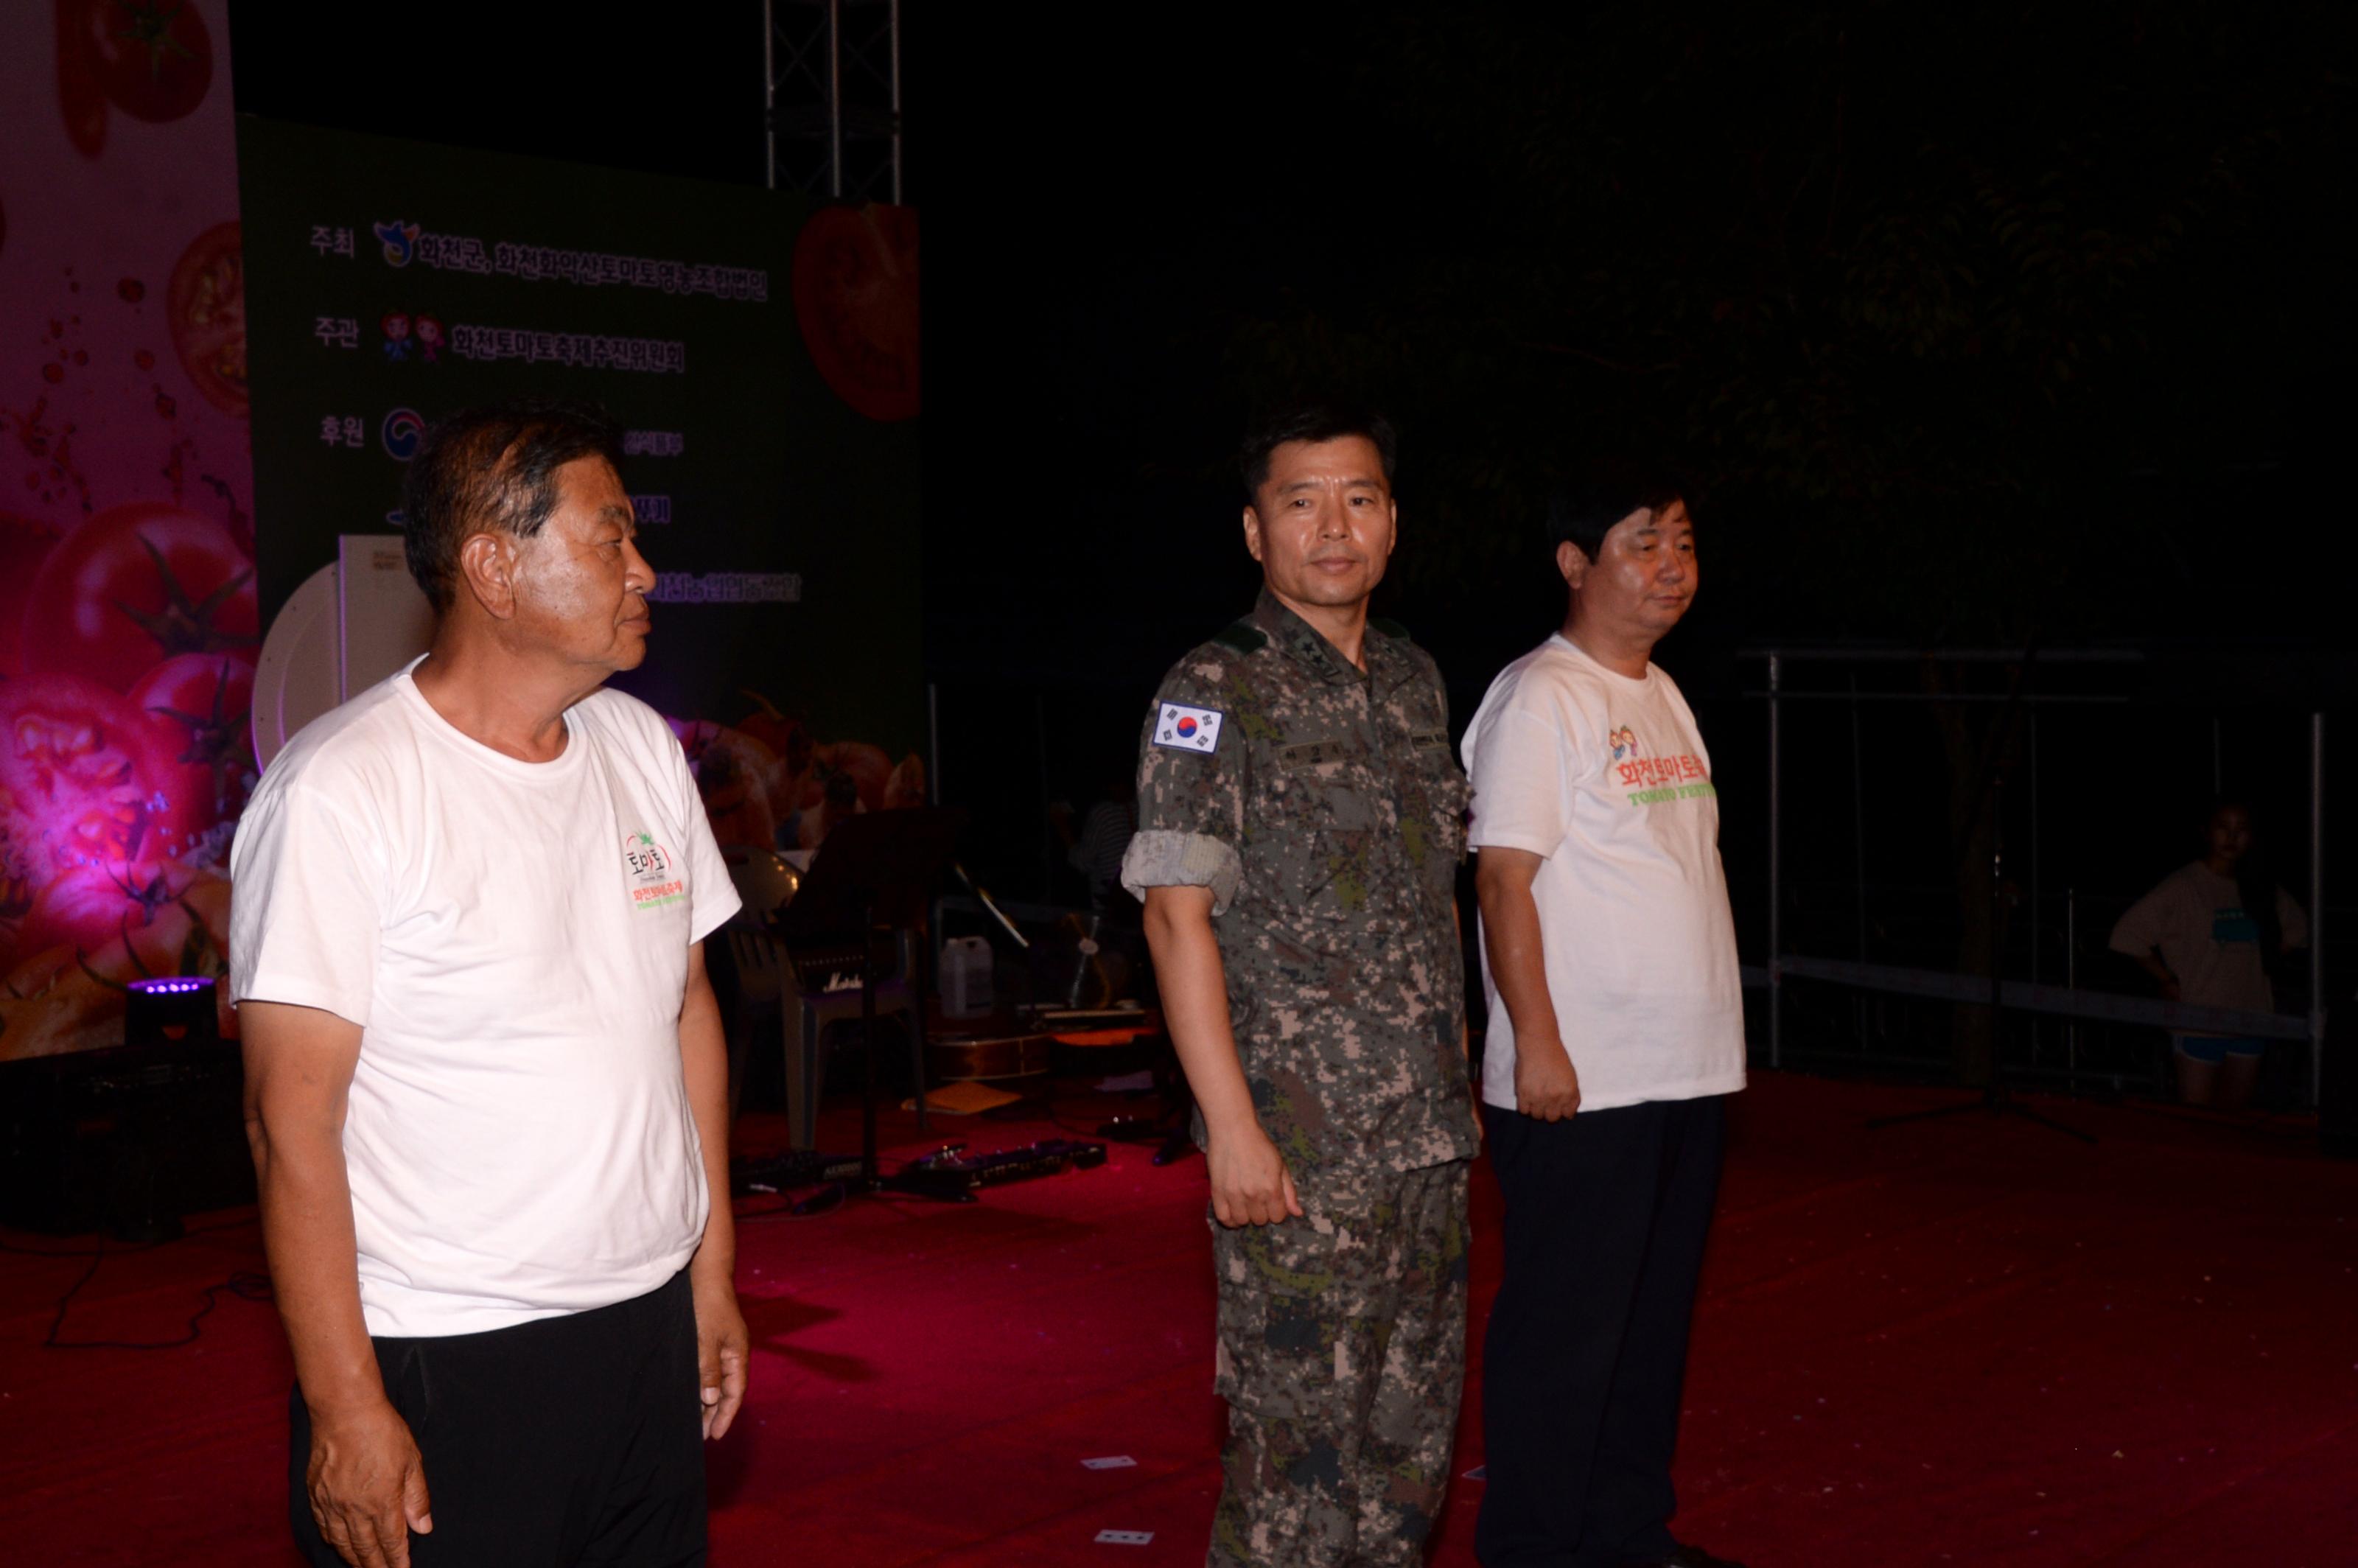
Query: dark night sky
{"type": "Point", "coordinates": [1108, 214]}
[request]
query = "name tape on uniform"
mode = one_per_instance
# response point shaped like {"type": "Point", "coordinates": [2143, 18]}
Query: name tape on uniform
{"type": "Point", "coordinates": [1179, 727]}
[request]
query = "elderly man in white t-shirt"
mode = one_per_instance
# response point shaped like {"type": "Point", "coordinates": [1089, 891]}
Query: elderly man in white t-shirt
{"type": "Point", "coordinates": [1616, 1029]}
{"type": "Point", "coordinates": [486, 1078]}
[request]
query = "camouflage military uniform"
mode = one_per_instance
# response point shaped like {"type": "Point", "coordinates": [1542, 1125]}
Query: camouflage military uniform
{"type": "Point", "coordinates": [1326, 817]}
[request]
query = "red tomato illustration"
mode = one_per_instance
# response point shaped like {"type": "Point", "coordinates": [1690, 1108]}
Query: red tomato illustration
{"type": "Point", "coordinates": [153, 57]}
{"type": "Point", "coordinates": [23, 544]}
{"type": "Point", "coordinates": [855, 281]}
{"type": "Point", "coordinates": [78, 764]}
{"type": "Point", "coordinates": [203, 708]}
{"type": "Point", "coordinates": [205, 304]}
{"type": "Point", "coordinates": [134, 585]}
{"type": "Point", "coordinates": [80, 98]}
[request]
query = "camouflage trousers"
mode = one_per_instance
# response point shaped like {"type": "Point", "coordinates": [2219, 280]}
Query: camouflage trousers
{"type": "Point", "coordinates": [1342, 1354]}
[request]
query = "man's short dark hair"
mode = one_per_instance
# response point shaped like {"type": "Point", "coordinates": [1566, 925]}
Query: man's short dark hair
{"type": "Point", "coordinates": [494, 467]}
{"type": "Point", "coordinates": [1311, 422]}
{"type": "Point", "coordinates": [1584, 509]}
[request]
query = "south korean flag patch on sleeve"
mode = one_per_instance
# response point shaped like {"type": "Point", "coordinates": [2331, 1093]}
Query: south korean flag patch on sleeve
{"type": "Point", "coordinates": [1179, 727]}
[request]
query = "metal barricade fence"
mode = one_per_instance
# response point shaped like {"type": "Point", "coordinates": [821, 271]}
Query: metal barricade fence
{"type": "Point", "coordinates": [1870, 969]}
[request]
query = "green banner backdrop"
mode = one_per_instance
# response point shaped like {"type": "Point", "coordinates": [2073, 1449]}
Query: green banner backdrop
{"type": "Point", "coordinates": [759, 351]}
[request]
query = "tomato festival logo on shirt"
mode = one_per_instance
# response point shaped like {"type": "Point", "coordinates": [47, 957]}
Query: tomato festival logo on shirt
{"type": "Point", "coordinates": [652, 883]}
{"type": "Point", "coordinates": [1650, 780]}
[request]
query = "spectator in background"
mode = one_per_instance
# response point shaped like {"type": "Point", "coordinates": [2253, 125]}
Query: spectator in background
{"type": "Point", "coordinates": [2211, 934]}
{"type": "Point", "coordinates": [1097, 848]}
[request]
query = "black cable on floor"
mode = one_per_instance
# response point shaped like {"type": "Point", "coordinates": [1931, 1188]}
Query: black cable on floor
{"type": "Point", "coordinates": [246, 1285]}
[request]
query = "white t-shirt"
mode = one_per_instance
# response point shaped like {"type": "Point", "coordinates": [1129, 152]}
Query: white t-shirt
{"type": "Point", "coordinates": [512, 939]}
{"type": "Point", "coordinates": [1608, 779]}
{"type": "Point", "coordinates": [2211, 942]}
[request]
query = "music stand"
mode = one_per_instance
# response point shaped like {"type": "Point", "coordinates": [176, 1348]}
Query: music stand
{"type": "Point", "coordinates": [875, 872]}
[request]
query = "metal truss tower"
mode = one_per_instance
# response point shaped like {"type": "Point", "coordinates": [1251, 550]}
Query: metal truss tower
{"type": "Point", "coordinates": [833, 75]}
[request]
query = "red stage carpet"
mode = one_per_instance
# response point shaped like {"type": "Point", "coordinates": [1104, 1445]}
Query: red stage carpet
{"type": "Point", "coordinates": [1966, 1342]}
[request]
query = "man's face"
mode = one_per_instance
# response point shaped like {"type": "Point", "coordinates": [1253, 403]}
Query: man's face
{"type": "Point", "coordinates": [2230, 834]}
{"type": "Point", "coordinates": [580, 584]}
{"type": "Point", "coordinates": [1644, 575]}
{"type": "Point", "coordinates": [1323, 525]}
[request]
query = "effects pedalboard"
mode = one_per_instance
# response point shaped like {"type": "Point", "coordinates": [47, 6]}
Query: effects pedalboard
{"type": "Point", "coordinates": [952, 1165]}
{"type": "Point", "coordinates": [949, 1166]}
{"type": "Point", "coordinates": [795, 1168]}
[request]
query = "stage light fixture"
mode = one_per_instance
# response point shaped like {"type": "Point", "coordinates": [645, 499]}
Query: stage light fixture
{"type": "Point", "coordinates": [174, 1009]}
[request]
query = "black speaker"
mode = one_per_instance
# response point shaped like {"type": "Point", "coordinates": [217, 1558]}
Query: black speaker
{"type": "Point", "coordinates": [127, 1138]}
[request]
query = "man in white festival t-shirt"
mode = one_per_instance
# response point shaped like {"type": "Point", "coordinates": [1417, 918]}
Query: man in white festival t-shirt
{"type": "Point", "coordinates": [1616, 1029]}
{"type": "Point", "coordinates": [485, 1074]}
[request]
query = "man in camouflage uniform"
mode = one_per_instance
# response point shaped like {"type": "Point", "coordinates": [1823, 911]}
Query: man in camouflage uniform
{"type": "Point", "coordinates": [1301, 820]}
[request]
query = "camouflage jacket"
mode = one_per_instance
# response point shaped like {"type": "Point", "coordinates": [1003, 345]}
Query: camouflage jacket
{"type": "Point", "coordinates": [1325, 810]}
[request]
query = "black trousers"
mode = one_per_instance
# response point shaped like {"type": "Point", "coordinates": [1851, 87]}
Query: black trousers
{"type": "Point", "coordinates": [1586, 1349]}
{"type": "Point", "coordinates": [569, 1440]}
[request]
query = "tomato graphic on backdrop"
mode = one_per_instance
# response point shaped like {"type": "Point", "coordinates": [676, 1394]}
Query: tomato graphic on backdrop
{"type": "Point", "coordinates": [867, 767]}
{"type": "Point", "coordinates": [205, 305]}
{"type": "Point", "coordinates": [78, 764]}
{"type": "Point", "coordinates": [23, 544]}
{"type": "Point", "coordinates": [153, 59]}
{"type": "Point", "coordinates": [202, 708]}
{"type": "Point", "coordinates": [80, 98]}
{"type": "Point", "coordinates": [147, 920]}
{"type": "Point", "coordinates": [856, 297]}
{"type": "Point", "coordinates": [135, 585]}
{"type": "Point", "coordinates": [89, 906]}
{"type": "Point", "coordinates": [186, 932]}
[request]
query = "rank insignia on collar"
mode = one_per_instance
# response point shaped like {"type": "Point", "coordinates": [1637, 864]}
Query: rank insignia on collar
{"type": "Point", "coordinates": [1178, 727]}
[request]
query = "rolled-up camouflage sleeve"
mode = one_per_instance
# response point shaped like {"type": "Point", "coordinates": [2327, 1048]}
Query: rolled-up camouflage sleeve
{"type": "Point", "coordinates": [1190, 802]}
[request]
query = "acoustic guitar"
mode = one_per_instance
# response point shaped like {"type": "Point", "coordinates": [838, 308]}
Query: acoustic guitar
{"type": "Point", "coordinates": [988, 1058]}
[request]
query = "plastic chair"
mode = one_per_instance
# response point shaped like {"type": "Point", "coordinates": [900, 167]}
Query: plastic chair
{"type": "Point", "coordinates": [808, 1020]}
{"type": "Point", "coordinates": [745, 970]}
{"type": "Point", "coordinates": [820, 1016]}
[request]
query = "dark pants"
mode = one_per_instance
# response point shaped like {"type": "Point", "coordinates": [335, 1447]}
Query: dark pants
{"type": "Point", "coordinates": [1606, 1213]}
{"type": "Point", "coordinates": [568, 1440]}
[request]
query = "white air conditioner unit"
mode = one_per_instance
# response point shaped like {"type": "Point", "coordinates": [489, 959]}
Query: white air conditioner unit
{"type": "Point", "coordinates": [349, 625]}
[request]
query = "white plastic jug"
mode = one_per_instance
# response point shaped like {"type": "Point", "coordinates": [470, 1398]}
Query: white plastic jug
{"type": "Point", "coordinates": [966, 976]}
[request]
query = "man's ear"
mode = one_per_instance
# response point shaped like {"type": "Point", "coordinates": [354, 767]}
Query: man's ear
{"type": "Point", "coordinates": [1395, 541]}
{"type": "Point", "coordinates": [1573, 562]}
{"type": "Point", "coordinates": [487, 565]}
{"type": "Point", "coordinates": [1252, 532]}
